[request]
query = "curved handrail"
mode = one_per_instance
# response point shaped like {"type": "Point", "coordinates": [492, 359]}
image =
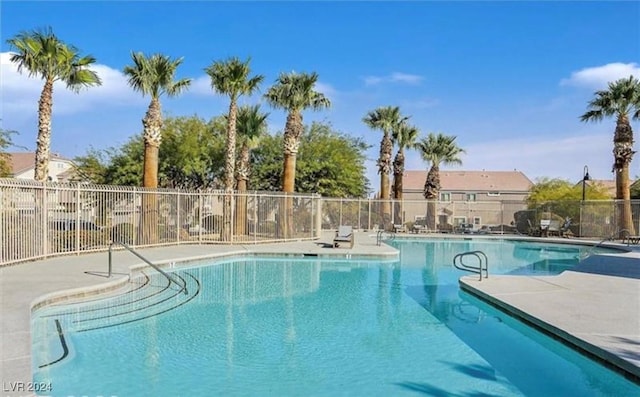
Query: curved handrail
{"type": "Point", "coordinates": [380, 234]}
{"type": "Point", "coordinates": [608, 238]}
{"type": "Point", "coordinates": [483, 263]}
{"type": "Point", "coordinates": [183, 287]}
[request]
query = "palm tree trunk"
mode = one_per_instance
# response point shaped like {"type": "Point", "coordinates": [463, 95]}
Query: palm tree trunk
{"type": "Point", "coordinates": [152, 123]}
{"type": "Point", "coordinates": [242, 175]}
{"type": "Point", "coordinates": [229, 174]}
{"type": "Point", "coordinates": [45, 105]}
{"type": "Point", "coordinates": [623, 154]}
{"type": "Point", "coordinates": [384, 168]}
{"type": "Point", "coordinates": [398, 171]}
{"type": "Point", "coordinates": [431, 191]}
{"type": "Point", "coordinates": [292, 132]}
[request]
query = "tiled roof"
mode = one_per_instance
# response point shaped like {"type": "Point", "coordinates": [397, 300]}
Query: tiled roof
{"type": "Point", "coordinates": [460, 181]}
{"type": "Point", "coordinates": [23, 161]}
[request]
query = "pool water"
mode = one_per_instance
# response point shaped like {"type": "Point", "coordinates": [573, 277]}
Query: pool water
{"type": "Point", "coordinates": [318, 327]}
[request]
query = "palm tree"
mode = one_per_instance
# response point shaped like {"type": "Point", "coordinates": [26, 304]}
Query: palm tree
{"type": "Point", "coordinates": [294, 92]}
{"type": "Point", "coordinates": [435, 150]}
{"type": "Point", "coordinates": [231, 78]}
{"type": "Point", "coordinates": [153, 76]}
{"type": "Point", "coordinates": [621, 100]}
{"type": "Point", "coordinates": [43, 55]}
{"type": "Point", "coordinates": [387, 119]}
{"type": "Point", "coordinates": [252, 124]}
{"type": "Point", "coordinates": [405, 137]}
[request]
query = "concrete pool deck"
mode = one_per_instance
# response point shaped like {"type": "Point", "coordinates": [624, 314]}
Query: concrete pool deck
{"type": "Point", "coordinates": [608, 326]}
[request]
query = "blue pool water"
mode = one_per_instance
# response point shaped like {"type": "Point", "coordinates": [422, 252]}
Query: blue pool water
{"type": "Point", "coordinates": [311, 327]}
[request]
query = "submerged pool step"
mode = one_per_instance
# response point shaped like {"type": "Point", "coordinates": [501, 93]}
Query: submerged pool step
{"type": "Point", "coordinates": [154, 295]}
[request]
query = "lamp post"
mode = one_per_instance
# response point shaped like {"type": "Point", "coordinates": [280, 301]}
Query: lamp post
{"type": "Point", "coordinates": [585, 178]}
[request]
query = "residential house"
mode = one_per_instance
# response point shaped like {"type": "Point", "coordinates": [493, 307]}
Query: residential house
{"type": "Point", "coordinates": [480, 198]}
{"type": "Point", "coordinates": [23, 167]}
{"type": "Point", "coordinates": [62, 203]}
{"type": "Point", "coordinates": [608, 184]}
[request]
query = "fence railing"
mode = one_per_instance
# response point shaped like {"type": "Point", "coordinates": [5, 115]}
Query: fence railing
{"type": "Point", "coordinates": [43, 219]}
{"type": "Point", "coordinates": [591, 219]}
{"type": "Point", "coordinates": [39, 220]}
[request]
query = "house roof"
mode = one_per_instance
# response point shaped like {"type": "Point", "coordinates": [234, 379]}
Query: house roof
{"type": "Point", "coordinates": [24, 161]}
{"type": "Point", "coordinates": [460, 181]}
{"type": "Point", "coordinates": [608, 184]}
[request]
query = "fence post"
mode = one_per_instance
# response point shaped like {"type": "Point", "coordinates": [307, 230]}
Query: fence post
{"type": "Point", "coordinates": [77, 218]}
{"type": "Point", "coordinates": [318, 216]}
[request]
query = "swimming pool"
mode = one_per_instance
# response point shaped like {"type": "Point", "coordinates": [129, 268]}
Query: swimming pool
{"type": "Point", "coordinates": [309, 326]}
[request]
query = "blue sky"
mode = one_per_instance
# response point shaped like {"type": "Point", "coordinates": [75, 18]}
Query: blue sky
{"type": "Point", "coordinates": [509, 79]}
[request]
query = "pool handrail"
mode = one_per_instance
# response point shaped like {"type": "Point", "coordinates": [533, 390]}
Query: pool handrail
{"type": "Point", "coordinates": [183, 287]}
{"type": "Point", "coordinates": [458, 263]}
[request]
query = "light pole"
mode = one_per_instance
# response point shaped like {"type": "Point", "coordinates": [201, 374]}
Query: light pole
{"type": "Point", "coordinates": [585, 178]}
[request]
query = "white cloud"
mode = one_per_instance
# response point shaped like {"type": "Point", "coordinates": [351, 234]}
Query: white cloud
{"type": "Point", "coordinates": [372, 80]}
{"type": "Point", "coordinates": [201, 86]}
{"type": "Point", "coordinates": [406, 78]}
{"type": "Point", "coordinates": [20, 93]}
{"type": "Point", "coordinates": [599, 76]}
{"type": "Point", "coordinates": [395, 77]}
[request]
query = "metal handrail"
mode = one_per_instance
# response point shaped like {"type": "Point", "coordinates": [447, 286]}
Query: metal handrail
{"type": "Point", "coordinates": [183, 287]}
{"type": "Point", "coordinates": [380, 236]}
{"type": "Point", "coordinates": [483, 263]}
{"type": "Point", "coordinates": [608, 238]}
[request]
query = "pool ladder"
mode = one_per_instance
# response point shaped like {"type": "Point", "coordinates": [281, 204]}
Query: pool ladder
{"type": "Point", "coordinates": [481, 266]}
{"type": "Point", "coordinates": [380, 236]}
{"type": "Point", "coordinates": [183, 287]}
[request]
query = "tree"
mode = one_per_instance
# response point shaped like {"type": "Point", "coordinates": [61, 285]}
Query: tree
{"type": "Point", "coordinates": [436, 149]}
{"type": "Point", "coordinates": [252, 125]}
{"type": "Point", "coordinates": [387, 119]}
{"type": "Point", "coordinates": [559, 197]}
{"type": "Point", "coordinates": [153, 76]}
{"type": "Point", "coordinates": [330, 163]}
{"type": "Point", "coordinates": [622, 100]}
{"type": "Point", "coordinates": [191, 157]}
{"type": "Point", "coordinates": [231, 78]}
{"type": "Point", "coordinates": [405, 137]}
{"type": "Point", "coordinates": [192, 153]}
{"type": "Point", "coordinates": [5, 160]}
{"type": "Point", "coordinates": [294, 92]}
{"type": "Point", "coordinates": [44, 56]}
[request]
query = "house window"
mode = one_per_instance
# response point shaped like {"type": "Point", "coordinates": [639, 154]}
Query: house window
{"type": "Point", "coordinates": [477, 221]}
{"type": "Point", "coordinates": [493, 194]}
{"type": "Point", "coordinates": [459, 220]}
{"type": "Point", "coordinates": [471, 197]}
{"type": "Point", "coordinates": [446, 197]}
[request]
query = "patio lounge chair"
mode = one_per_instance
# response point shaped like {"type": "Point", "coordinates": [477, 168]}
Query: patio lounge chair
{"type": "Point", "coordinates": [549, 227]}
{"type": "Point", "coordinates": [399, 229]}
{"type": "Point", "coordinates": [343, 235]}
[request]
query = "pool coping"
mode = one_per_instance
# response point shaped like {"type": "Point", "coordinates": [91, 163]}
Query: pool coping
{"type": "Point", "coordinates": [507, 301]}
{"type": "Point", "coordinates": [74, 294]}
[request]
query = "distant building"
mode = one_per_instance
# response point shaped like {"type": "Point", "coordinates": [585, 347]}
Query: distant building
{"type": "Point", "coordinates": [609, 185]}
{"type": "Point", "coordinates": [23, 167]}
{"type": "Point", "coordinates": [479, 198]}
{"type": "Point", "coordinates": [470, 185]}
